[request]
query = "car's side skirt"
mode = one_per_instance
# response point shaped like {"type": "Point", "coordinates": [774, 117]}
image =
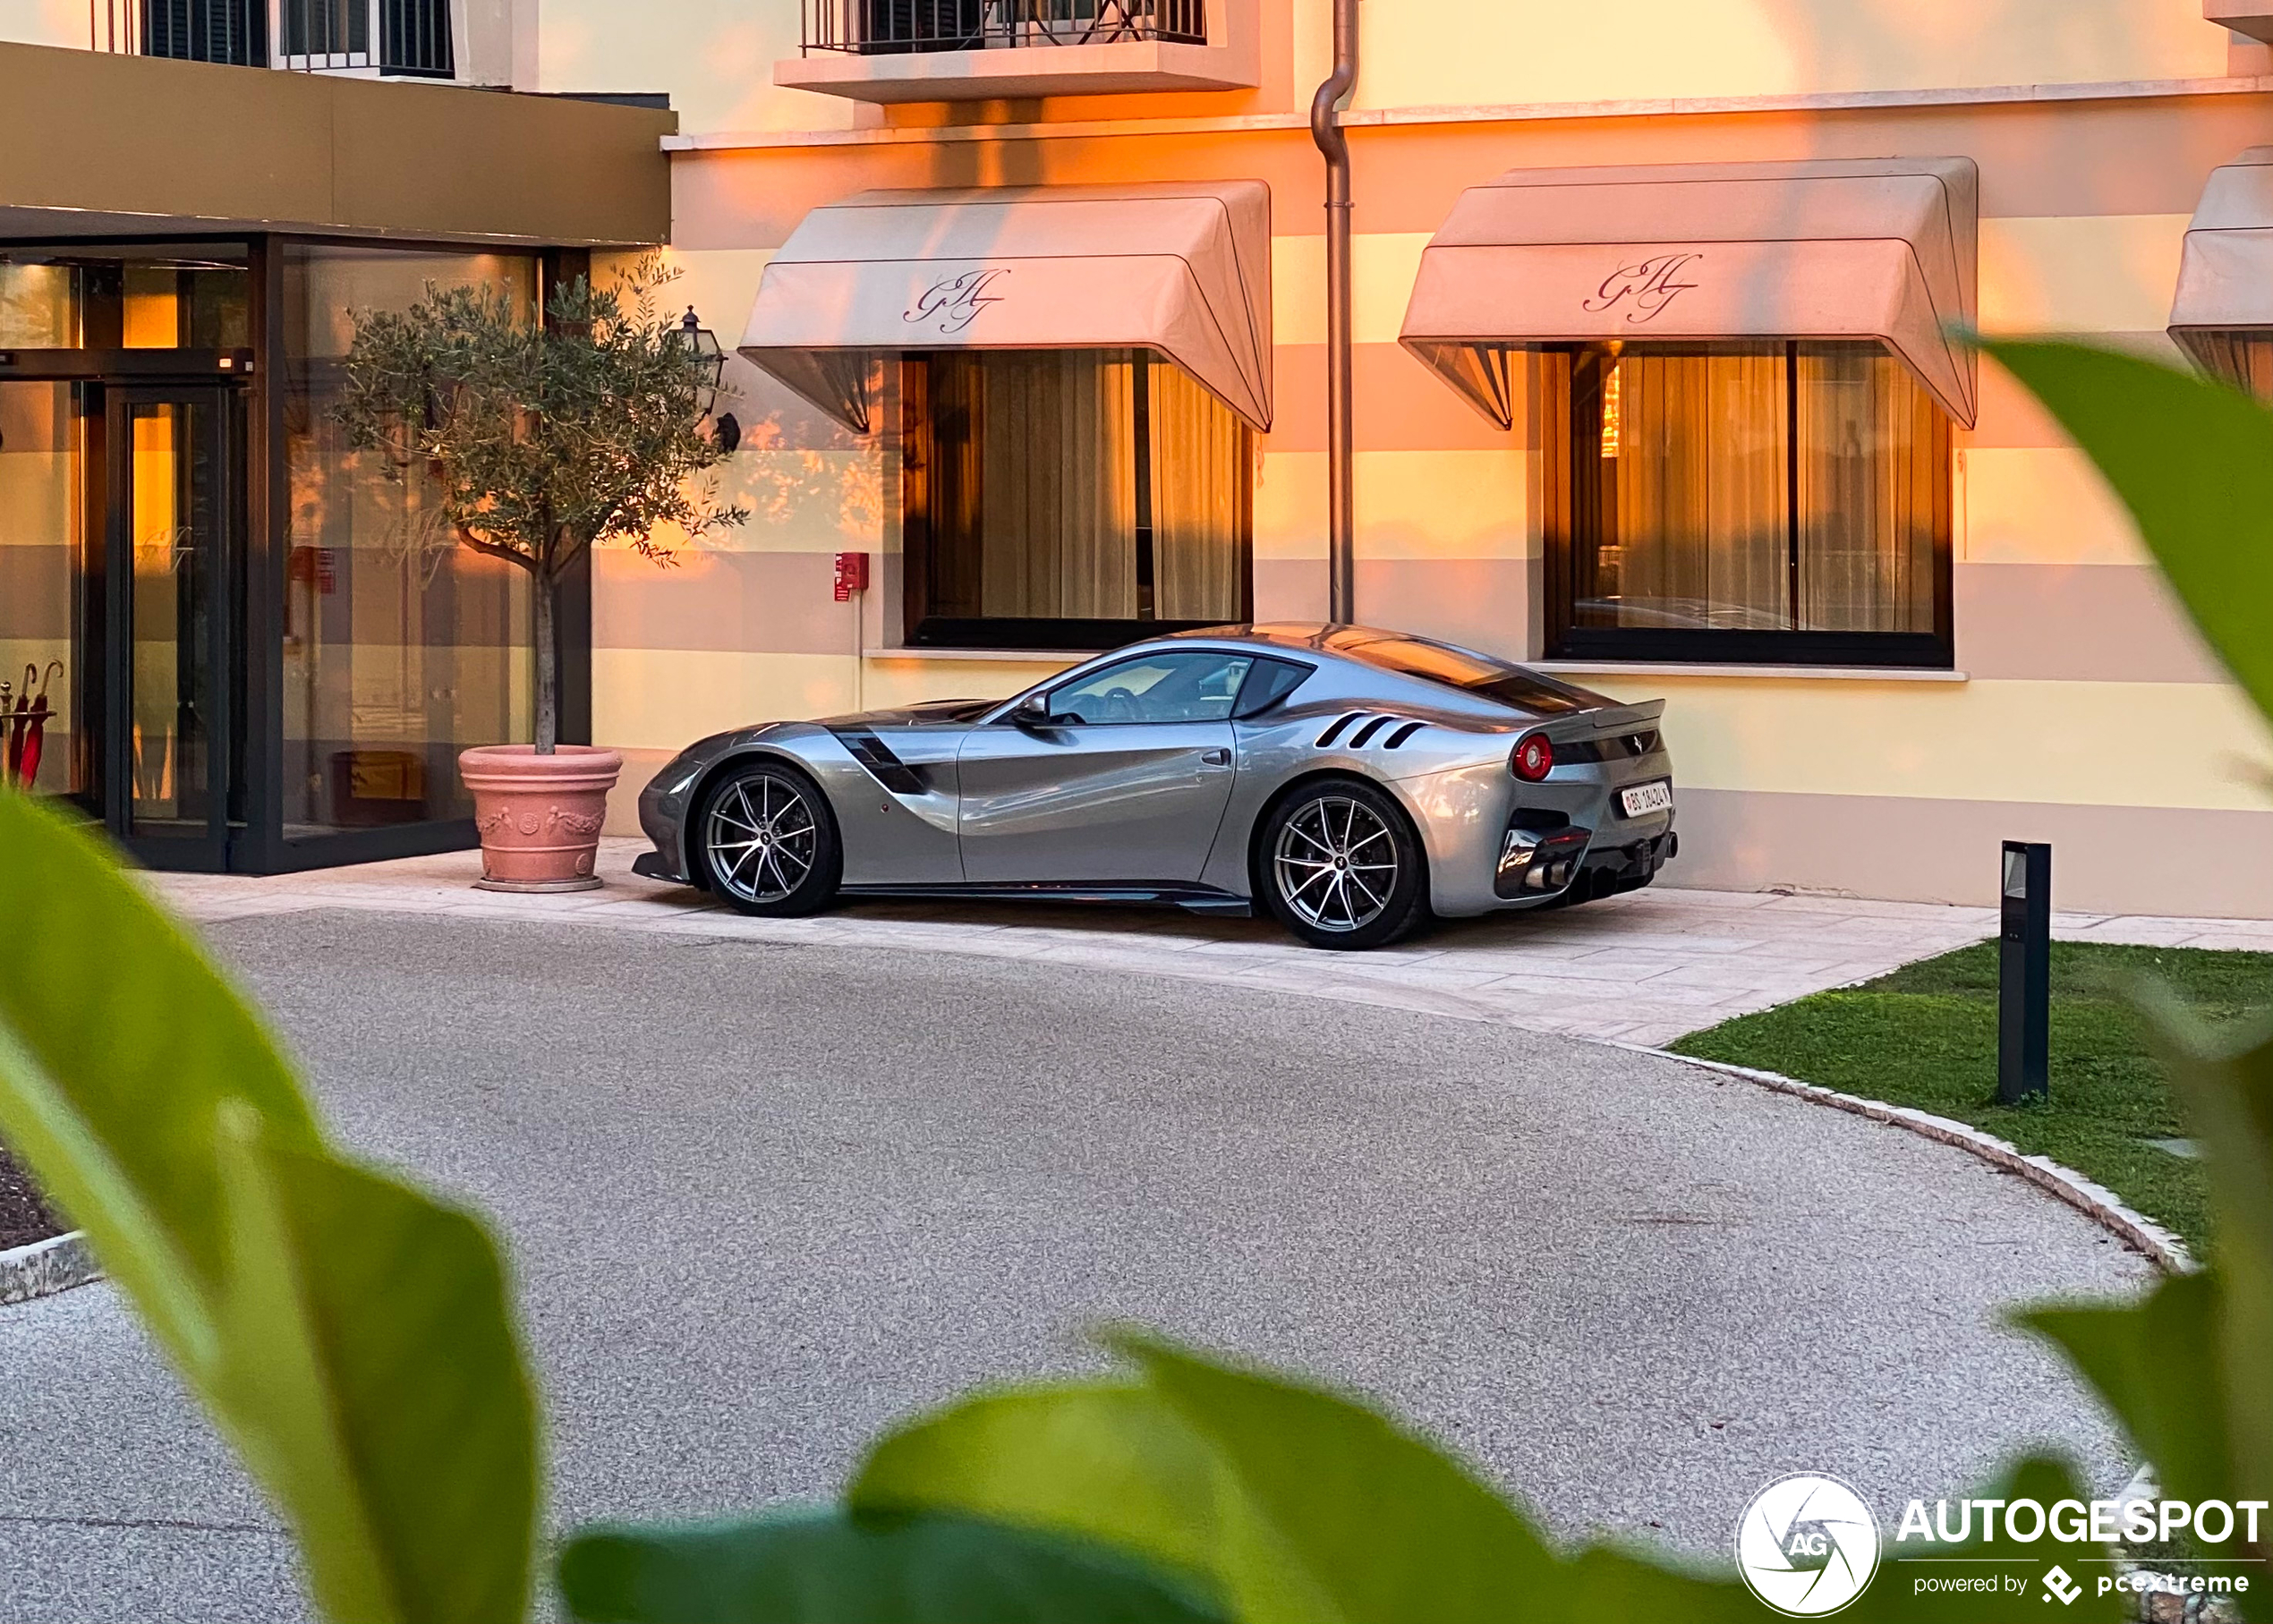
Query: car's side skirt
{"type": "Point", "coordinates": [1188, 895]}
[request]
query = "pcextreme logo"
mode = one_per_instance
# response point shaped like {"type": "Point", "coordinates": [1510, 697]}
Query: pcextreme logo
{"type": "Point", "coordinates": [1807, 1545]}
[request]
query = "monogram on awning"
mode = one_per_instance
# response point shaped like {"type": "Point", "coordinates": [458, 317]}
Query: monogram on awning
{"type": "Point", "coordinates": [1180, 268]}
{"type": "Point", "coordinates": [1875, 250]}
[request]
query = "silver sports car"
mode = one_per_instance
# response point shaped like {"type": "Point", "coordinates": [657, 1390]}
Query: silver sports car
{"type": "Point", "coordinates": [1354, 781]}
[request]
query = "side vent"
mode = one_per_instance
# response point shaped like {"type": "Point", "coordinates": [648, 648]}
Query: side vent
{"type": "Point", "coordinates": [882, 765]}
{"type": "Point", "coordinates": [1333, 729]}
{"type": "Point", "coordinates": [1359, 739]}
{"type": "Point", "coordinates": [1401, 734]}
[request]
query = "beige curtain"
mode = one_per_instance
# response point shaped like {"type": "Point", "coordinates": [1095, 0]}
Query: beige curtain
{"type": "Point", "coordinates": [1696, 446]}
{"type": "Point", "coordinates": [1872, 478]}
{"type": "Point", "coordinates": [1202, 473]}
{"type": "Point", "coordinates": [1028, 476]}
{"type": "Point", "coordinates": [1058, 515]}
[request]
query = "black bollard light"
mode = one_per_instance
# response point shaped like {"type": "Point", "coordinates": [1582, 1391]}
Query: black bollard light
{"type": "Point", "coordinates": [2024, 973]}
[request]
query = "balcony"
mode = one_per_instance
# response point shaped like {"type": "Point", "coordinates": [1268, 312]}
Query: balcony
{"type": "Point", "coordinates": [468, 41]}
{"type": "Point", "coordinates": [982, 50]}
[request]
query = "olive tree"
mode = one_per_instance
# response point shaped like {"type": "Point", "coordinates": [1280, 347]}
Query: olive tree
{"type": "Point", "coordinates": [539, 440]}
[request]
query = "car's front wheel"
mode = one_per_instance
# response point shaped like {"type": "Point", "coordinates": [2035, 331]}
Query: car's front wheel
{"type": "Point", "coordinates": [1338, 864]}
{"type": "Point", "coordinates": [769, 840]}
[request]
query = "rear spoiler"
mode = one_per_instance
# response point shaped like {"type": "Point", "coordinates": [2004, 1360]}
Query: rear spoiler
{"type": "Point", "coordinates": [1603, 721]}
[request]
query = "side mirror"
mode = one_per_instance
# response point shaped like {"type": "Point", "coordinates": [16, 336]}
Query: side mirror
{"type": "Point", "coordinates": [1032, 711]}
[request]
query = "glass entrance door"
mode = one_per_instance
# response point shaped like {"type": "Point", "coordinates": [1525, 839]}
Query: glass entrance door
{"type": "Point", "coordinates": [171, 613]}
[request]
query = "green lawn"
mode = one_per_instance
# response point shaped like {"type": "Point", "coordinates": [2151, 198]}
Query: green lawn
{"type": "Point", "coordinates": [1926, 1036]}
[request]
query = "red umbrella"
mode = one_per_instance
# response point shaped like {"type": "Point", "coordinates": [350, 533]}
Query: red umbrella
{"type": "Point", "coordinates": [35, 723]}
{"type": "Point", "coordinates": [12, 765]}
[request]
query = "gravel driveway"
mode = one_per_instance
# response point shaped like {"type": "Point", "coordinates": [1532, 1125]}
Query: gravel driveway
{"type": "Point", "coordinates": [762, 1200]}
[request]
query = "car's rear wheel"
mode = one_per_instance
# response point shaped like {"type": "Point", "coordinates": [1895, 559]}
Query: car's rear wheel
{"type": "Point", "coordinates": [768, 840]}
{"type": "Point", "coordinates": [1338, 864]}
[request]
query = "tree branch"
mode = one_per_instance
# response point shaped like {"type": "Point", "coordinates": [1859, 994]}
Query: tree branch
{"type": "Point", "coordinates": [496, 549]}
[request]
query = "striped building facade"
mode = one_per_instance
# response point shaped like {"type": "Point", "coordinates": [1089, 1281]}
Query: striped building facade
{"type": "Point", "coordinates": [2078, 706]}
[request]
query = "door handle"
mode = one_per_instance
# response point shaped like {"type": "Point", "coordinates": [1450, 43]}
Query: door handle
{"type": "Point", "coordinates": [1215, 758]}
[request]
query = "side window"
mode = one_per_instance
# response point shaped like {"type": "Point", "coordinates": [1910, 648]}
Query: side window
{"type": "Point", "coordinates": [1271, 681]}
{"type": "Point", "coordinates": [1198, 687]}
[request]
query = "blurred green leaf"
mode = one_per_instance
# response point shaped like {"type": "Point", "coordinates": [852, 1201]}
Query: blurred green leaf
{"type": "Point", "coordinates": [1624, 1582]}
{"type": "Point", "coordinates": [2155, 1364]}
{"type": "Point", "coordinates": [1102, 1460]}
{"type": "Point", "coordinates": [2191, 1371]}
{"type": "Point", "coordinates": [118, 1043]}
{"type": "Point", "coordinates": [2226, 1093]}
{"type": "Point", "coordinates": [373, 1379]}
{"type": "Point", "coordinates": [2192, 460]}
{"type": "Point", "coordinates": [351, 1335]}
{"type": "Point", "coordinates": [831, 1567]}
{"type": "Point", "coordinates": [1299, 1504]}
{"type": "Point", "coordinates": [1341, 1515]}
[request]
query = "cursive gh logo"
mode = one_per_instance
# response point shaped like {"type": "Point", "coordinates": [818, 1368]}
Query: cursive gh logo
{"type": "Point", "coordinates": [1807, 1545]}
{"type": "Point", "coordinates": [1652, 285]}
{"type": "Point", "coordinates": [953, 304]}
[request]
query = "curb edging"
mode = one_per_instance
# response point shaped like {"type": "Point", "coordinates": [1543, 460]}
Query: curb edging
{"type": "Point", "coordinates": [45, 1267]}
{"type": "Point", "coordinates": [2094, 1200]}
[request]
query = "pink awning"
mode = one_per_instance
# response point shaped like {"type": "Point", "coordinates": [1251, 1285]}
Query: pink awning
{"type": "Point", "coordinates": [2225, 294]}
{"type": "Point", "coordinates": [1184, 270]}
{"type": "Point", "coordinates": [1877, 249]}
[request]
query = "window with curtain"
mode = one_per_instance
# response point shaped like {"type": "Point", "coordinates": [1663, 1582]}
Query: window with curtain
{"type": "Point", "coordinates": [2240, 356]}
{"type": "Point", "coordinates": [1069, 498]}
{"type": "Point", "coordinates": [1757, 503]}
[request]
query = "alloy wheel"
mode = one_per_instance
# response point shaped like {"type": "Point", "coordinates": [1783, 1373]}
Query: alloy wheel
{"type": "Point", "coordinates": [1335, 863]}
{"type": "Point", "coordinates": [762, 846]}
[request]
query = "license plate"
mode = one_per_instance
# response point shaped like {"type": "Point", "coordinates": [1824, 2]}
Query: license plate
{"type": "Point", "coordinates": [1643, 799]}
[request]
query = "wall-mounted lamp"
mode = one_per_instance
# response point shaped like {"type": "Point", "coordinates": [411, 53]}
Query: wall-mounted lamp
{"type": "Point", "coordinates": [710, 357]}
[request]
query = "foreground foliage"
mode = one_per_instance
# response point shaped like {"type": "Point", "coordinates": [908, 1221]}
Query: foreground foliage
{"type": "Point", "coordinates": [354, 1339]}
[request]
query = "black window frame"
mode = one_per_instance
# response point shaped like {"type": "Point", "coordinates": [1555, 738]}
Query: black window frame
{"type": "Point", "coordinates": [1562, 448]}
{"type": "Point", "coordinates": [922, 628]}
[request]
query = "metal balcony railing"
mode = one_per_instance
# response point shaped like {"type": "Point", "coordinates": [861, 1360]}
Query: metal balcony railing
{"type": "Point", "coordinates": [412, 36]}
{"type": "Point", "coordinates": [881, 27]}
{"type": "Point", "coordinates": [198, 30]}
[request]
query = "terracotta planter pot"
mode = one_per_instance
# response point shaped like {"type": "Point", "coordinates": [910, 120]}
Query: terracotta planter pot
{"type": "Point", "coordinates": [540, 816]}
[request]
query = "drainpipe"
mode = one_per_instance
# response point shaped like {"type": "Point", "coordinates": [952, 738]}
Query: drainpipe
{"type": "Point", "coordinates": [1325, 129]}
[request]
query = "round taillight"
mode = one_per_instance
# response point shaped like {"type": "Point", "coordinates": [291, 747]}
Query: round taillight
{"type": "Point", "coordinates": [1532, 758]}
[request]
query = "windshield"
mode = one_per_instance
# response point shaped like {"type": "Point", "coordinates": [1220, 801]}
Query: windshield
{"type": "Point", "coordinates": [1462, 668]}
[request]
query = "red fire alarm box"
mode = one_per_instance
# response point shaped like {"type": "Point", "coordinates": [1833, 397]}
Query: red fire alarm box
{"type": "Point", "coordinates": [851, 576]}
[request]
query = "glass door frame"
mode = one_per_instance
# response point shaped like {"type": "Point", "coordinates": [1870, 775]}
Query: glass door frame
{"type": "Point", "coordinates": [258, 503]}
{"type": "Point", "coordinates": [218, 407]}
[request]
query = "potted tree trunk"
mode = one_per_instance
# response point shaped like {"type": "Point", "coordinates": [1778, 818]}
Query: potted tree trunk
{"type": "Point", "coordinates": [542, 439]}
